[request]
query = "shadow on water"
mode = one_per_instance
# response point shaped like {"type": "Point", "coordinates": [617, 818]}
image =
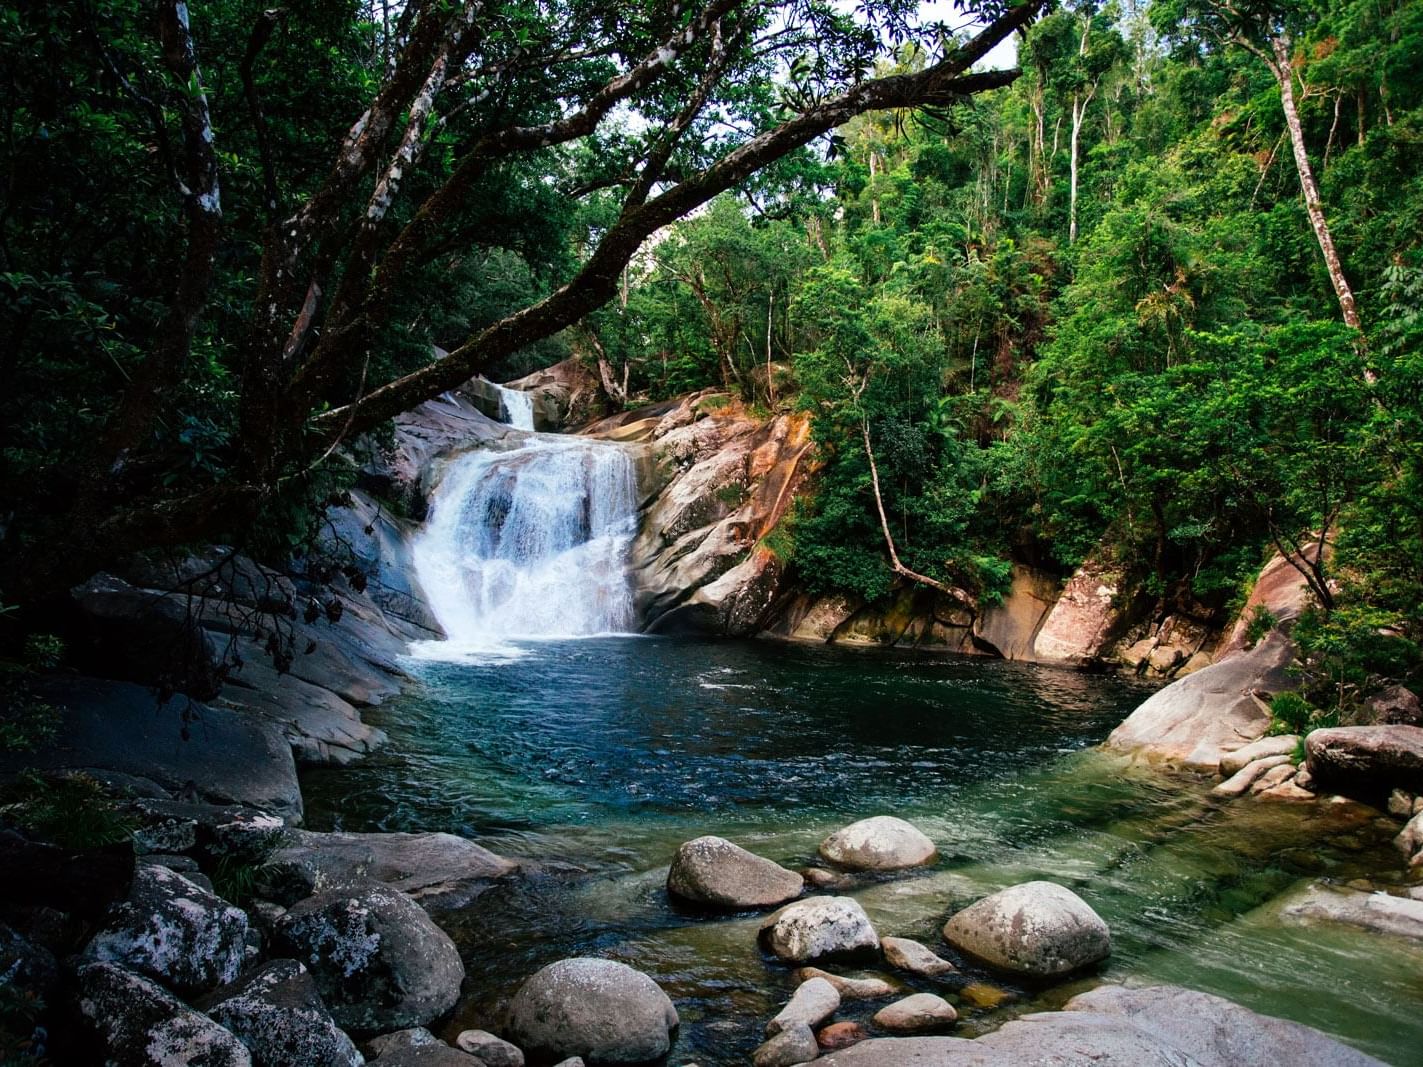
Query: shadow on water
{"type": "Point", "coordinates": [595, 759]}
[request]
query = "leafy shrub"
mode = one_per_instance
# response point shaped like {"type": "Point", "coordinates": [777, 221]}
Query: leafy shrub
{"type": "Point", "coordinates": [1262, 621]}
{"type": "Point", "coordinates": [70, 810]}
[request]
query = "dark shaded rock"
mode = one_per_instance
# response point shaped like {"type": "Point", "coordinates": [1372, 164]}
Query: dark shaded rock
{"type": "Point", "coordinates": [1396, 706]}
{"type": "Point", "coordinates": [378, 960]}
{"type": "Point", "coordinates": [84, 881]}
{"type": "Point", "coordinates": [601, 1010]}
{"type": "Point", "coordinates": [140, 1024]}
{"type": "Point", "coordinates": [714, 872]}
{"type": "Point", "coordinates": [118, 726]}
{"type": "Point", "coordinates": [24, 966]}
{"type": "Point", "coordinates": [1366, 762]}
{"type": "Point", "coordinates": [278, 1014]}
{"type": "Point", "coordinates": [173, 930]}
{"type": "Point", "coordinates": [137, 635]}
{"type": "Point", "coordinates": [322, 728]}
{"type": "Point", "coordinates": [215, 832]}
{"type": "Point", "coordinates": [1036, 928]}
{"type": "Point", "coordinates": [216, 571]}
{"type": "Point", "coordinates": [439, 871]}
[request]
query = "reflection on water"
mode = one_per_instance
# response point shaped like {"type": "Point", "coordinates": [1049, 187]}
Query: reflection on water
{"type": "Point", "coordinates": [602, 756]}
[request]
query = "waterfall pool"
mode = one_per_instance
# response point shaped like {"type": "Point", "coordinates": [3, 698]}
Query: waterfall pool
{"type": "Point", "coordinates": [593, 759]}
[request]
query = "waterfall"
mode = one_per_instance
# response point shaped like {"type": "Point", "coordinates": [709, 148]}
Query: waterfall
{"type": "Point", "coordinates": [516, 407]}
{"type": "Point", "coordinates": [529, 543]}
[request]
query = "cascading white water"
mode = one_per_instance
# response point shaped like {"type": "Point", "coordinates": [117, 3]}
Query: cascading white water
{"type": "Point", "coordinates": [517, 407]}
{"type": "Point", "coordinates": [530, 543]}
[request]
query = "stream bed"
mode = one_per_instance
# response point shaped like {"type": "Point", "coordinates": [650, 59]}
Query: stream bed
{"type": "Point", "coordinates": [594, 759]}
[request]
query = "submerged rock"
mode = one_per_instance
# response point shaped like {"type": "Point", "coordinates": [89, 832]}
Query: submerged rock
{"type": "Point", "coordinates": [714, 872]}
{"type": "Point", "coordinates": [1378, 912]}
{"type": "Point", "coordinates": [1163, 1026]}
{"type": "Point", "coordinates": [882, 843]}
{"type": "Point", "coordinates": [379, 961]}
{"type": "Point", "coordinates": [820, 926]}
{"type": "Point", "coordinates": [911, 956]}
{"type": "Point", "coordinates": [278, 1014]}
{"type": "Point", "coordinates": [811, 1004]}
{"type": "Point", "coordinates": [173, 930]}
{"type": "Point", "coordinates": [921, 1011]}
{"type": "Point", "coordinates": [601, 1010]}
{"type": "Point", "coordinates": [1366, 762]}
{"type": "Point", "coordinates": [1410, 840]}
{"type": "Point", "coordinates": [140, 1024]}
{"type": "Point", "coordinates": [1036, 928]}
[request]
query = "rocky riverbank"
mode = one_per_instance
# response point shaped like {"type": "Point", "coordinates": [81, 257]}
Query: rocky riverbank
{"type": "Point", "coordinates": [227, 934]}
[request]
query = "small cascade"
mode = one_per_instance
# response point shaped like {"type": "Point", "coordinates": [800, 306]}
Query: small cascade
{"type": "Point", "coordinates": [516, 407]}
{"type": "Point", "coordinates": [530, 543]}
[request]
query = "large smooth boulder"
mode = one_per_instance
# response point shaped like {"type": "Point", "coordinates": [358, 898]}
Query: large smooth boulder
{"type": "Point", "coordinates": [601, 1010]}
{"type": "Point", "coordinates": [1366, 762]}
{"type": "Point", "coordinates": [140, 1024]}
{"type": "Point", "coordinates": [1010, 626]}
{"type": "Point", "coordinates": [1039, 929]}
{"type": "Point", "coordinates": [881, 843]}
{"type": "Point", "coordinates": [174, 931]}
{"type": "Point", "coordinates": [1196, 720]}
{"type": "Point", "coordinates": [819, 927]}
{"type": "Point", "coordinates": [439, 871]}
{"type": "Point", "coordinates": [1161, 1026]}
{"type": "Point", "coordinates": [714, 872]}
{"type": "Point", "coordinates": [278, 1014]}
{"type": "Point", "coordinates": [119, 727]}
{"type": "Point", "coordinates": [377, 958]}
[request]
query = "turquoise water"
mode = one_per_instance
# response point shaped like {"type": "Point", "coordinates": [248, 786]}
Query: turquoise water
{"type": "Point", "coordinates": [594, 759]}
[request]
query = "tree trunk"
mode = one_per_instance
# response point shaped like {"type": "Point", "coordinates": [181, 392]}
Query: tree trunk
{"type": "Point", "coordinates": [1284, 75]}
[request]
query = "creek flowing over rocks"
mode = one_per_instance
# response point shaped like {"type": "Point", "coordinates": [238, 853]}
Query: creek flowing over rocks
{"type": "Point", "coordinates": [960, 872]}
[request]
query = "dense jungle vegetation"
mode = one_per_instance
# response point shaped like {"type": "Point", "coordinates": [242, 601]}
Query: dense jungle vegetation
{"type": "Point", "coordinates": [1083, 310]}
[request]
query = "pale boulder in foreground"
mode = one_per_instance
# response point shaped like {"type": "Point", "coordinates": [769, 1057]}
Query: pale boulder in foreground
{"type": "Point", "coordinates": [714, 872]}
{"type": "Point", "coordinates": [1038, 928]}
{"type": "Point", "coordinates": [882, 843]}
{"type": "Point", "coordinates": [1163, 1026]}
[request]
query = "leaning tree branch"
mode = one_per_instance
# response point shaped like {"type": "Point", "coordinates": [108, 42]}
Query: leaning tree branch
{"type": "Point", "coordinates": [262, 31]}
{"type": "Point", "coordinates": [596, 282]}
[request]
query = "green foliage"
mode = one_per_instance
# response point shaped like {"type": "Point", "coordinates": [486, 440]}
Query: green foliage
{"type": "Point", "coordinates": [1262, 621]}
{"type": "Point", "coordinates": [72, 810]}
{"type": "Point", "coordinates": [1348, 654]}
{"type": "Point", "coordinates": [1291, 713]}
